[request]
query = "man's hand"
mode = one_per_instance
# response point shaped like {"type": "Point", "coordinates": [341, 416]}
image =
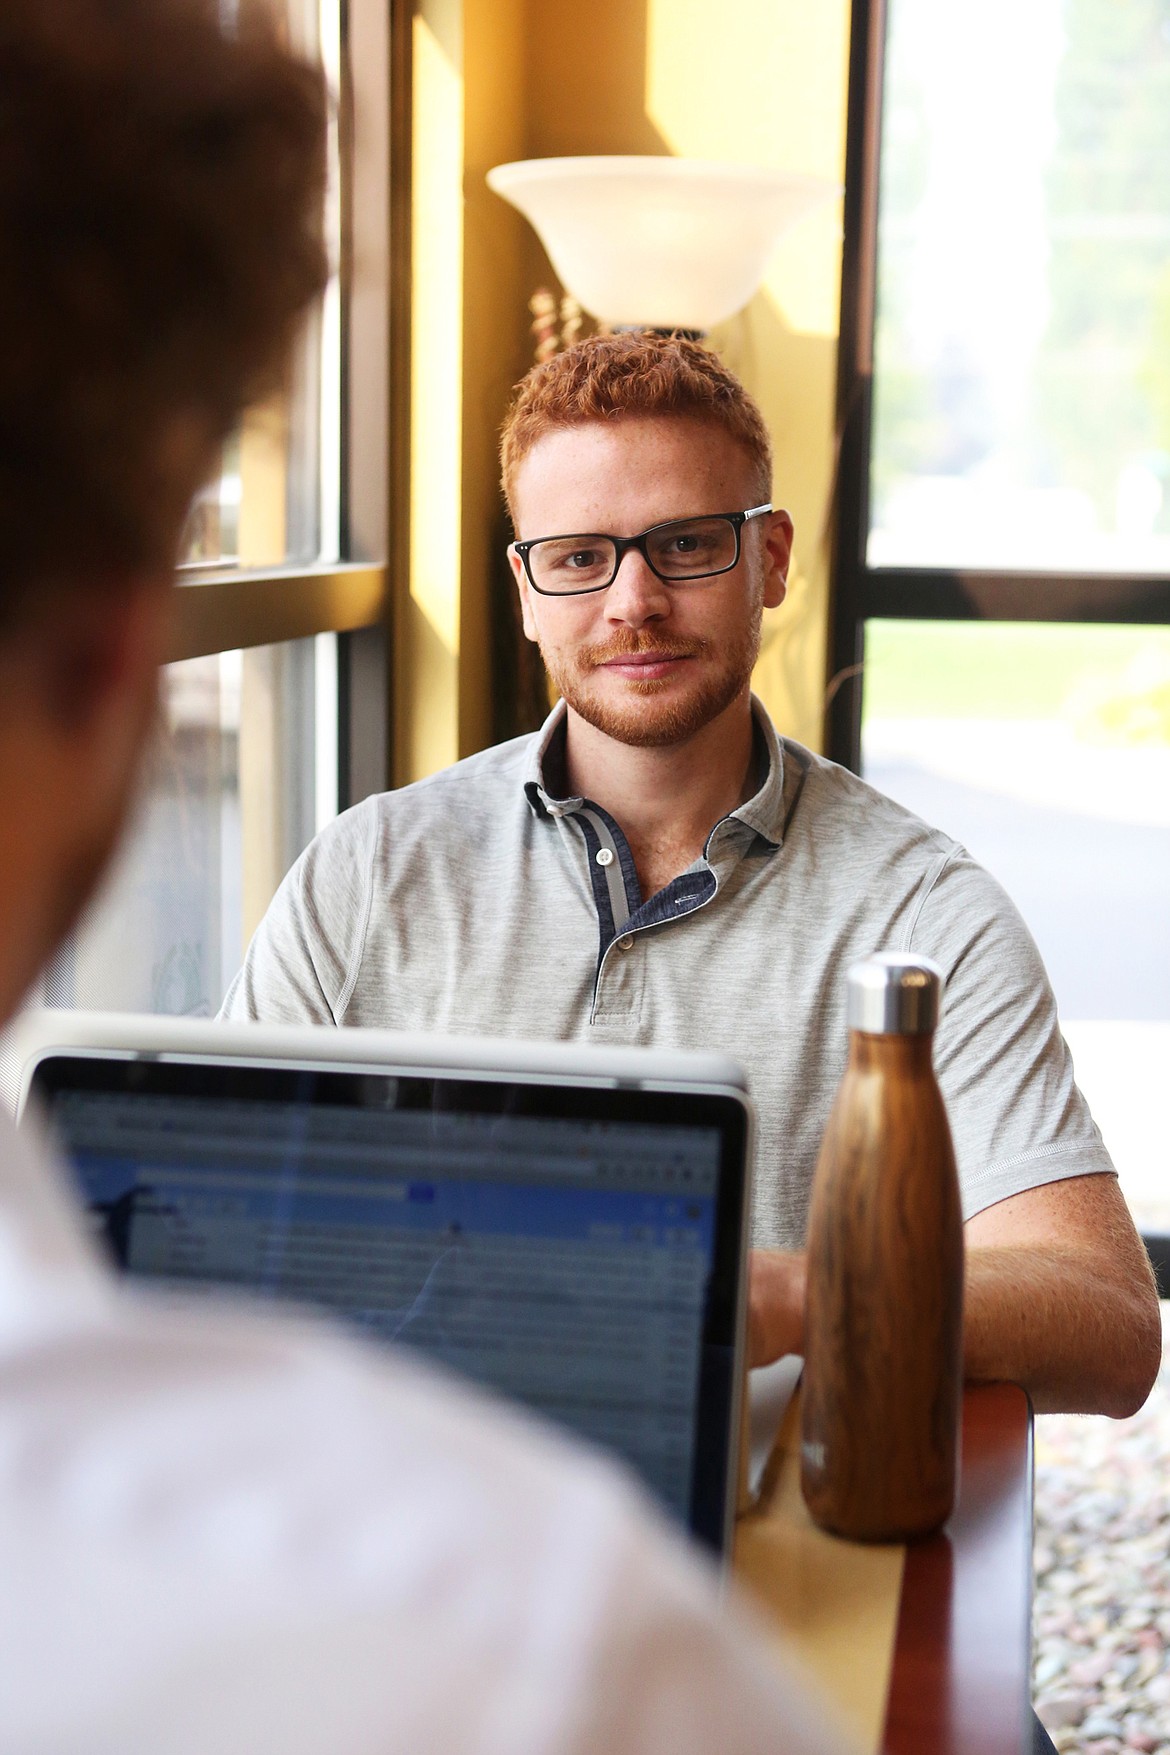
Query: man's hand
{"type": "Point", "coordinates": [775, 1305]}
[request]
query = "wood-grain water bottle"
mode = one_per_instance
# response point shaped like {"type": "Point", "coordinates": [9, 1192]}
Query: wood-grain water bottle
{"type": "Point", "coordinates": [881, 1398]}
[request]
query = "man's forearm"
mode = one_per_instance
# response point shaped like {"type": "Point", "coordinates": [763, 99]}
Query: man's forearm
{"type": "Point", "coordinates": [1078, 1341]}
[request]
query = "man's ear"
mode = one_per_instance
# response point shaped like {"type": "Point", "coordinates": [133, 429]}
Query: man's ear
{"type": "Point", "coordinates": [521, 578]}
{"type": "Point", "coordinates": [778, 535]}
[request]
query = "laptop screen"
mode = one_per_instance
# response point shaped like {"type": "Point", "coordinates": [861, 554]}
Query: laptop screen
{"type": "Point", "coordinates": [567, 1246]}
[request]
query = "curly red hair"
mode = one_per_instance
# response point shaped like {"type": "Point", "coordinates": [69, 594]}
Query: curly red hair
{"type": "Point", "coordinates": [633, 373]}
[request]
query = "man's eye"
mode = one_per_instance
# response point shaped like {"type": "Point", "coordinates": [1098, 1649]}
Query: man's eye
{"type": "Point", "coordinates": [687, 543]}
{"type": "Point", "coordinates": [568, 565]}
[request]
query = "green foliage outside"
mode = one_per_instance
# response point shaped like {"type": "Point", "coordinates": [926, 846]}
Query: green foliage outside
{"type": "Point", "coordinates": [1102, 370]}
{"type": "Point", "coordinates": [1098, 395]}
{"type": "Point", "coordinates": [1155, 373]}
{"type": "Point", "coordinates": [1111, 684]}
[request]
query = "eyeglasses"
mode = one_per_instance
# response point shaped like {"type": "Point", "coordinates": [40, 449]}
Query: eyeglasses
{"type": "Point", "coordinates": [679, 551]}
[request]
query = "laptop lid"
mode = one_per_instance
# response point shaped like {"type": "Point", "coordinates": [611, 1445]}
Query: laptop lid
{"type": "Point", "coordinates": [566, 1226]}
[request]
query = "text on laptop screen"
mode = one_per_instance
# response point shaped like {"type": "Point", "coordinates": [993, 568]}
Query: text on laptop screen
{"type": "Point", "coordinates": [560, 1259]}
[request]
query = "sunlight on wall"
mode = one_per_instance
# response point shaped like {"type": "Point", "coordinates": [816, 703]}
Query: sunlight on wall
{"type": "Point", "coordinates": [436, 379]}
{"type": "Point", "coordinates": [760, 83]}
{"type": "Point", "coordinates": [495, 294]}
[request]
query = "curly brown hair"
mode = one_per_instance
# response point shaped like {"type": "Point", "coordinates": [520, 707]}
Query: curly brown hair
{"type": "Point", "coordinates": [161, 185]}
{"type": "Point", "coordinates": [632, 373]}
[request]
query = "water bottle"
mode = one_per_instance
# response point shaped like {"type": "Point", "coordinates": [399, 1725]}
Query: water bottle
{"type": "Point", "coordinates": [882, 1390]}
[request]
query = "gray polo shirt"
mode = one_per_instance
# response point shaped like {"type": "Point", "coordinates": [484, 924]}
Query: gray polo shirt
{"type": "Point", "coordinates": [481, 900]}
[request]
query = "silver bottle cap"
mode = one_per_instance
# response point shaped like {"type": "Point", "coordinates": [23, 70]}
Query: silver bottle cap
{"type": "Point", "coordinates": [894, 993]}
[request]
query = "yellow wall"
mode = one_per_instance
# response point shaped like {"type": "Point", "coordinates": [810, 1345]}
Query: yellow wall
{"type": "Point", "coordinates": [759, 81]}
{"type": "Point", "coordinates": [494, 324]}
{"type": "Point", "coordinates": [467, 318]}
{"type": "Point", "coordinates": [427, 625]}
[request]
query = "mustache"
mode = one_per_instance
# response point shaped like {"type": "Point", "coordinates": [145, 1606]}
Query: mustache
{"type": "Point", "coordinates": [631, 644]}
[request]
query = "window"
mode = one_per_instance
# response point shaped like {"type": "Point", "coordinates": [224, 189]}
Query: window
{"type": "Point", "coordinates": [1045, 749]}
{"type": "Point", "coordinates": [241, 776]}
{"type": "Point", "coordinates": [282, 592]}
{"type": "Point", "coordinates": [1001, 639]}
{"type": "Point", "coordinates": [1022, 343]}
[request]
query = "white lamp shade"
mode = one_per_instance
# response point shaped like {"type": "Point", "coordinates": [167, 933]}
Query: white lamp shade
{"type": "Point", "coordinates": [657, 243]}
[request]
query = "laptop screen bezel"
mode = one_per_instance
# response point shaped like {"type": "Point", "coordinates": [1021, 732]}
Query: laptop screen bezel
{"type": "Point", "coordinates": [427, 1090]}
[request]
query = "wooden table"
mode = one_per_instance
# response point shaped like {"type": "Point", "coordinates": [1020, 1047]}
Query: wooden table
{"type": "Point", "coordinates": [926, 1648]}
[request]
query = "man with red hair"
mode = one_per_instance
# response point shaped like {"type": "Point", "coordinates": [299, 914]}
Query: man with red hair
{"type": "Point", "coordinates": [221, 1533]}
{"type": "Point", "coordinates": [658, 866]}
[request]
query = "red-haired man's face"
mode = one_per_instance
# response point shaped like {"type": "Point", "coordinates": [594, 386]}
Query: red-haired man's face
{"type": "Point", "coordinates": [646, 662]}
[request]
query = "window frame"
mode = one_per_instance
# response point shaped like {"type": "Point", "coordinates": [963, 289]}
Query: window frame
{"type": "Point", "coordinates": [220, 609]}
{"type": "Point", "coordinates": [859, 592]}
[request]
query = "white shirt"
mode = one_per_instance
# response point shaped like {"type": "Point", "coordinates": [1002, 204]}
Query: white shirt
{"type": "Point", "coordinates": [221, 1532]}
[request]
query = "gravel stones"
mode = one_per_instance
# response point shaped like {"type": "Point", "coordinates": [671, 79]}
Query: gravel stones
{"type": "Point", "coordinates": [1101, 1658]}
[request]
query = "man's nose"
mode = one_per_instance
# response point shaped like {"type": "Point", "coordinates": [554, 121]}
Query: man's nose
{"type": "Point", "coordinates": [637, 594]}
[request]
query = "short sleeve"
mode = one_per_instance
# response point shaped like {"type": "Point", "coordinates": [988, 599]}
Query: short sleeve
{"type": "Point", "coordinates": [303, 959]}
{"type": "Point", "coordinates": [1006, 1074]}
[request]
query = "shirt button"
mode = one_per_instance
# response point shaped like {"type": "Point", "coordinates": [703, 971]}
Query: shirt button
{"type": "Point", "coordinates": [626, 943]}
{"type": "Point", "coordinates": [603, 856]}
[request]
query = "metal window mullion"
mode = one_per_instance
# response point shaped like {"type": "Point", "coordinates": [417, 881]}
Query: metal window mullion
{"type": "Point", "coordinates": [262, 608]}
{"type": "Point", "coordinates": [842, 727]}
{"type": "Point", "coordinates": [943, 594]}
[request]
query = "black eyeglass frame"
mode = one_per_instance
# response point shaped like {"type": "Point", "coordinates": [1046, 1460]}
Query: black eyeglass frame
{"type": "Point", "coordinates": [623, 544]}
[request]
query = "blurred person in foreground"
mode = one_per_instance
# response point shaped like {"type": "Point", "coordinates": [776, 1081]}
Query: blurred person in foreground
{"type": "Point", "coordinates": [659, 866]}
{"type": "Point", "coordinates": [220, 1532]}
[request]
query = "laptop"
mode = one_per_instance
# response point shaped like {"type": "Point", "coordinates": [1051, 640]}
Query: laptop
{"type": "Point", "coordinates": [566, 1225]}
